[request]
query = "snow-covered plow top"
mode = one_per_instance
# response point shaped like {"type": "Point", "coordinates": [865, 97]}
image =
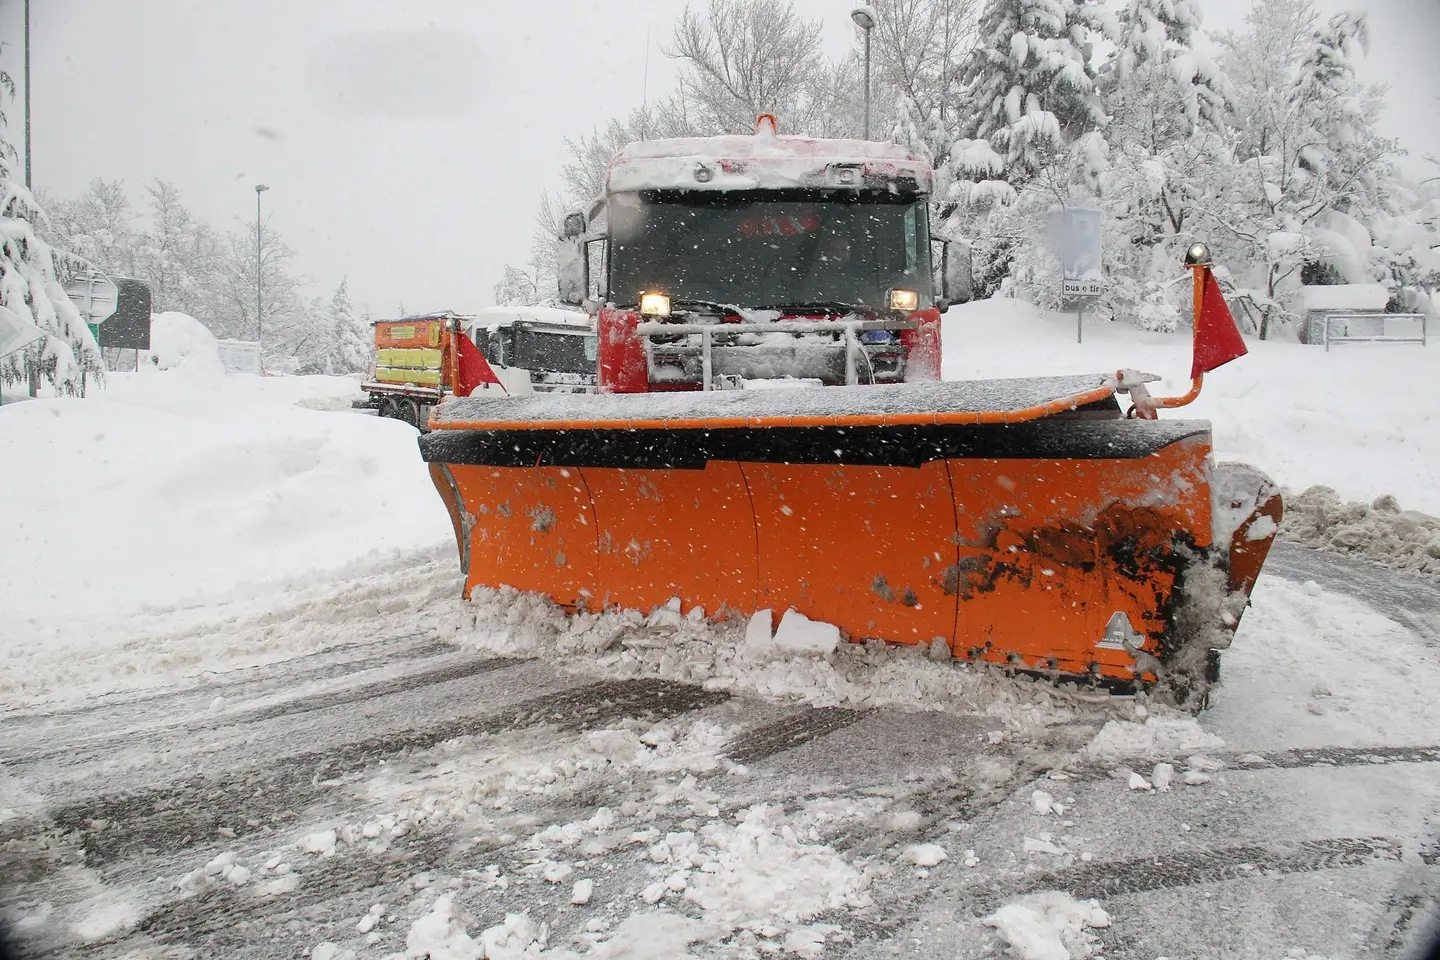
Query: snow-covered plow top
{"type": "Point", "coordinates": [916, 404]}
{"type": "Point", "coordinates": [765, 160]}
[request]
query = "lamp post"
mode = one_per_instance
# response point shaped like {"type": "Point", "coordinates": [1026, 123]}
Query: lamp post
{"type": "Point", "coordinates": [27, 94]}
{"type": "Point", "coordinates": [259, 310]}
{"type": "Point", "coordinates": [864, 18]}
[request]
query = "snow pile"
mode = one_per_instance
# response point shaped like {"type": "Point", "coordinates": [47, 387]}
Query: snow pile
{"type": "Point", "coordinates": [1380, 531]}
{"type": "Point", "coordinates": [180, 342]}
{"type": "Point", "coordinates": [733, 655]}
{"type": "Point", "coordinates": [162, 491]}
{"type": "Point", "coordinates": [768, 867]}
{"type": "Point", "coordinates": [441, 935]}
{"type": "Point", "coordinates": [1049, 925]}
{"type": "Point", "coordinates": [1160, 736]}
{"type": "Point", "coordinates": [474, 775]}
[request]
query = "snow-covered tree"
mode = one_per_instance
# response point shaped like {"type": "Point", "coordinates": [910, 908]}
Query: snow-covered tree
{"type": "Point", "coordinates": [1312, 170]}
{"type": "Point", "coordinates": [518, 287]}
{"type": "Point", "coordinates": [99, 225]}
{"type": "Point", "coordinates": [917, 49]}
{"type": "Point", "coordinates": [347, 345]}
{"type": "Point", "coordinates": [1155, 63]}
{"type": "Point", "coordinates": [32, 277]}
{"type": "Point", "coordinates": [1030, 88]}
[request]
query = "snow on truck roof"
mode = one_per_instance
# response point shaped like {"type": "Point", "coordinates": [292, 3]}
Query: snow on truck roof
{"type": "Point", "coordinates": [500, 316]}
{"type": "Point", "coordinates": [759, 161]}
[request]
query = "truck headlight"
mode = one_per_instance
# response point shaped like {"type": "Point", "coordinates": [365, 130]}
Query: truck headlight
{"type": "Point", "coordinates": [907, 301]}
{"type": "Point", "coordinates": [655, 304]}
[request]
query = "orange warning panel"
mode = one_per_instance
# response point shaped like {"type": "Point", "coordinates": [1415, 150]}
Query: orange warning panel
{"type": "Point", "coordinates": [1051, 550]}
{"type": "Point", "coordinates": [533, 529]}
{"type": "Point", "coordinates": [675, 533]}
{"type": "Point", "coordinates": [863, 547]}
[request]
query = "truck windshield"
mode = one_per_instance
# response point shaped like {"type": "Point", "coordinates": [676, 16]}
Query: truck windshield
{"type": "Point", "coordinates": [544, 351]}
{"type": "Point", "coordinates": [769, 248]}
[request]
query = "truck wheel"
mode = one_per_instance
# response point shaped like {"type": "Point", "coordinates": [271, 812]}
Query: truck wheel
{"type": "Point", "coordinates": [385, 407]}
{"type": "Point", "coordinates": [408, 411]}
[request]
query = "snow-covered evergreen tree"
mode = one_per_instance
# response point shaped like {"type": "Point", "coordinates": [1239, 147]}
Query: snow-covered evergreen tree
{"type": "Point", "coordinates": [32, 291]}
{"type": "Point", "coordinates": [349, 344]}
{"type": "Point", "coordinates": [32, 275]}
{"type": "Point", "coordinates": [1029, 86]}
{"type": "Point", "coordinates": [1155, 60]}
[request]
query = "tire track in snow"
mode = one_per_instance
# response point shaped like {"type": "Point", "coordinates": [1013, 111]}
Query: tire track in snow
{"type": "Point", "coordinates": [790, 732]}
{"type": "Point", "coordinates": [1112, 878]}
{"type": "Point", "coordinates": [173, 817]}
{"type": "Point", "coordinates": [293, 706]}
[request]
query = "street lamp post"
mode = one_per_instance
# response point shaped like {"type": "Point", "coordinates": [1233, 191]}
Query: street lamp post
{"type": "Point", "coordinates": [864, 18]}
{"type": "Point", "coordinates": [259, 310]}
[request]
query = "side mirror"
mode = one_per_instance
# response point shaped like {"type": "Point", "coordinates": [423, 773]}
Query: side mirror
{"type": "Point", "coordinates": [953, 273]}
{"type": "Point", "coordinates": [570, 270]}
{"type": "Point", "coordinates": [574, 225]}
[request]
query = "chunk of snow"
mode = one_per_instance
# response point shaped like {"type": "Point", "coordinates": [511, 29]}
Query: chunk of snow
{"type": "Point", "coordinates": [1162, 776]}
{"type": "Point", "coordinates": [330, 950]}
{"type": "Point", "coordinates": [1049, 925]}
{"type": "Point", "coordinates": [1137, 782]}
{"type": "Point", "coordinates": [581, 892]}
{"type": "Point", "coordinates": [924, 854]}
{"type": "Point", "coordinates": [652, 935]}
{"type": "Point", "coordinates": [759, 636]}
{"type": "Point", "coordinates": [797, 633]}
{"type": "Point", "coordinates": [1195, 778]}
{"type": "Point", "coordinates": [1041, 844]}
{"type": "Point", "coordinates": [440, 934]}
{"type": "Point", "coordinates": [321, 842]}
{"type": "Point", "coordinates": [557, 872]}
{"type": "Point", "coordinates": [1042, 802]}
{"type": "Point", "coordinates": [1161, 736]}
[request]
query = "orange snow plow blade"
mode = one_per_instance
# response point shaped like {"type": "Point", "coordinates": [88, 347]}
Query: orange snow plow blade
{"type": "Point", "coordinates": [1020, 522]}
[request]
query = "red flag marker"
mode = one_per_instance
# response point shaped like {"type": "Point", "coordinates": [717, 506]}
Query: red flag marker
{"type": "Point", "coordinates": [1217, 338]}
{"type": "Point", "coordinates": [472, 369]}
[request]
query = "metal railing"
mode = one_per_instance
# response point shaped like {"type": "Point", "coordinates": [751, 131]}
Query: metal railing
{"type": "Point", "coordinates": [1331, 320]}
{"type": "Point", "coordinates": [850, 329]}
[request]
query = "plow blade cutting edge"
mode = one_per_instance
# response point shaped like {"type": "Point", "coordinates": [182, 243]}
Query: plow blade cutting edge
{"type": "Point", "coordinates": [1020, 522]}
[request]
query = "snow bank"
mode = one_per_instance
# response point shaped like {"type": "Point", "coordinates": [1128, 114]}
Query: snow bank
{"type": "Point", "coordinates": [180, 342]}
{"type": "Point", "coordinates": [1049, 925]}
{"type": "Point", "coordinates": [1380, 531]}
{"type": "Point", "coordinates": [719, 656]}
{"type": "Point", "coordinates": [1350, 419]}
{"type": "Point", "coordinates": [162, 491]}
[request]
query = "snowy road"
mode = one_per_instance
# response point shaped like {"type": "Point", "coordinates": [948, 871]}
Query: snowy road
{"type": "Point", "coordinates": [381, 784]}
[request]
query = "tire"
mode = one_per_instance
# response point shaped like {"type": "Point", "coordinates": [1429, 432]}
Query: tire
{"type": "Point", "coordinates": [408, 411]}
{"type": "Point", "coordinates": [385, 407]}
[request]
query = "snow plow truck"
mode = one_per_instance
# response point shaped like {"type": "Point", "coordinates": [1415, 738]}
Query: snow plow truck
{"type": "Point", "coordinates": [1030, 523]}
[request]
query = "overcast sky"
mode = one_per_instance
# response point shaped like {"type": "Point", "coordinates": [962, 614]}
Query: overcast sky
{"type": "Point", "coordinates": [406, 141]}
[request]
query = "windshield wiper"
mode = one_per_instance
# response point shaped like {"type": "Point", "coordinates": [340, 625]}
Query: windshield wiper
{"type": "Point", "coordinates": [828, 306]}
{"type": "Point", "coordinates": [720, 308]}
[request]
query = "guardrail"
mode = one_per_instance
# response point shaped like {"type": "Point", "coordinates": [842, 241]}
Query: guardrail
{"type": "Point", "coordinates": [1382, 337]}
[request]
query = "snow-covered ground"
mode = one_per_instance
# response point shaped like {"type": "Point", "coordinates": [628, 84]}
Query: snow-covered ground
{"type": "Point", "coordinates": [239, 678]}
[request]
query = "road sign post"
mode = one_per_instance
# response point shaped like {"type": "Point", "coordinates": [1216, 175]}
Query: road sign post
{"type": "Point", "coordinates": [1081, 262]}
